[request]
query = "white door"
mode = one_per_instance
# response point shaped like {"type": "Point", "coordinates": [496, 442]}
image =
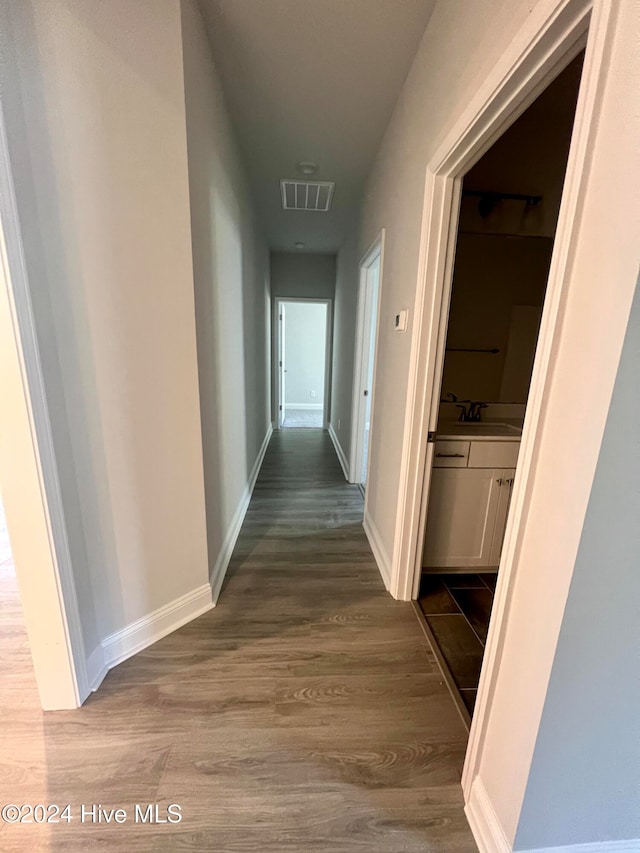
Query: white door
{"type": "Point", "coordinates": [281, 365]}
{"type": "Point", "coordinates": [371, 306]}
{"type": "Point", "coordinates": [367, 325]}
{"type": "Point", "coordinates": [461, 520]}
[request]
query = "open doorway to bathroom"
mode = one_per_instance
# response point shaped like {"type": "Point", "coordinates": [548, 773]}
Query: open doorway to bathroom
{"type": "Point", "coordinates": [508, 214]}
{"type": "Point", "coordinates": [303, 358]}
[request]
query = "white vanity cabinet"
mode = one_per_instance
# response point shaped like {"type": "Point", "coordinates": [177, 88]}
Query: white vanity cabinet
{"type": "Point", "coordinates": [469, 499]}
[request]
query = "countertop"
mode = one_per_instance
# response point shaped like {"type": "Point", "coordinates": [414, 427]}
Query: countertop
{"type": "Point", "coordinates": [480, 430]}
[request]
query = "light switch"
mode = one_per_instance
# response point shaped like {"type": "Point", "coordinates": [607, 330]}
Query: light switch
{"type": "Point", "coordinates": [400, 321]}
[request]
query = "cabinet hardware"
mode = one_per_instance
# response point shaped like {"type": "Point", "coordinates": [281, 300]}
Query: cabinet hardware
{"type": "Point", "coordinates": [500, 481]}
{"type": "Point", "coordinates": [451, 455]}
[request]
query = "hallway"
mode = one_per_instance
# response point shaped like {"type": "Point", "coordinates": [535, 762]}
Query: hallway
{"type": "Point", "coordinates": [303, 713]}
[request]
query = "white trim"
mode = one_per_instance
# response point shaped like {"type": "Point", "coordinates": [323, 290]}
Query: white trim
{"type": "Point", "coordinates": [26, 343]}
{"type": "Point", "coordinates": [216, 576]}
{"type": "Point", "coordinates": [550, 37]}
{"type": "Point", "coordinates": [375, 541]}
{"type": "Point", "coordinates": [546, 41]}
{"type": "Point", "coordinates": [307, 407]}
{"type": "Point", "coordinates": [490, 837]}
{"type": "Point", "coordinates": [133, 638]}
{"type": "Point", "coordinates": [484, 823]}
{"type": "Point", "coordinates": [123, 644]}
{"type": "Point", "coordinates": [631, 845]}
{"type": "Point", "coordinates": [375, 251]}
{"type": "Point", "coordinates": [342, 457]}
{"type": "Point", "coordinates": [97, 667]}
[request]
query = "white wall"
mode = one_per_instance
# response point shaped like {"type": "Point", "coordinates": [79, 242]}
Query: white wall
{"type": "Point", "coordinates": [344, 332]}
{"type": "Point", "coordinates": [603, 270]}
{"type": "Point", "coordinates": [584, 775]}
{"type": "Point", "coordinates": [303, 275]}
{"type": "Point", "coordinates": [100, 163]}
{"type": "Point", "coordinates": [231, 273]}
{"type": "Point", "coordinates": [305, 347]}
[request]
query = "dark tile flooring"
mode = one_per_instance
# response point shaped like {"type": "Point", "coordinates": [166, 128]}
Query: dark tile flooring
{"type": "Point", "coordinates": [457, 609]}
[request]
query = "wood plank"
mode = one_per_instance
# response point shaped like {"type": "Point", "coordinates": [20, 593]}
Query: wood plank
{"type": "Point", "coordinates": [304, 713]}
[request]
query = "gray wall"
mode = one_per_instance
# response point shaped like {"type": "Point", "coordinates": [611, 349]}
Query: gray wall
{"type": "Point", "coordinates": [231, 275]}
{"type": "Point", "coordinates": [104, 210]}
{"type": "Point", "coordinates": [344, 331]}
{"type": "Point", "coordinates": [305, 346]}
{"type": "Point", "coordinates": [583, 783]}
{"type": "Point", "coordinates": [303, 275]}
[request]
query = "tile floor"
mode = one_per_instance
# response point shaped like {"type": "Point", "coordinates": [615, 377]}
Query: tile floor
{"type": "Point", "coordinates": [457, 609]}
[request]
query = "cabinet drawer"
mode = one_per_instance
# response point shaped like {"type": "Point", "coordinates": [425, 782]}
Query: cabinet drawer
{"type": "Point", "coordinates": [494, 454]}
{"type": "Point", "coordinates": [451, 454]}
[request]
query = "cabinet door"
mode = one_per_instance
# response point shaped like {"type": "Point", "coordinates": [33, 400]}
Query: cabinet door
{"type": "Point", "coordinates": [504, 501]}
{"type": "Point", "coordinates": [461, 520]}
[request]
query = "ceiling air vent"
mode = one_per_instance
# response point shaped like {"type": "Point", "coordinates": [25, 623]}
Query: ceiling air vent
{"type": "Point", "coordinates": [307, 195]}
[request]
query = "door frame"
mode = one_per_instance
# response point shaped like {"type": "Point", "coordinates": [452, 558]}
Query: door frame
{"type": "Point", "coordinates": [277, 356]}
{"type": "Point", "coordinates": [31, 486]}
{"type": "Point", "coordinates": [551, 37]}
{"type": "Point", "coordinates": [375, 251]}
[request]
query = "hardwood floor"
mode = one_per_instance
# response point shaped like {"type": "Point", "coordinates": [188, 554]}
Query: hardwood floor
{"type": "Point", "coordinates": [304, 713]}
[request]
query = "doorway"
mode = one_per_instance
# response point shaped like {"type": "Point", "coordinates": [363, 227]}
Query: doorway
{"type": "Point", "coordinates": [509, 208]}
{"type": "Point", "coordinates": [303, 336]}
{"type": "Point", "coordinates": [365, 360]}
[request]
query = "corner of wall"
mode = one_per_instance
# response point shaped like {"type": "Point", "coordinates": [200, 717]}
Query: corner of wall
{"type": "Point", "coordinates": [375, 541]}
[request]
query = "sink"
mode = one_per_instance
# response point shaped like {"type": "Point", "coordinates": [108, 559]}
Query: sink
{"type": "Point", "coordinates": [478, 429]}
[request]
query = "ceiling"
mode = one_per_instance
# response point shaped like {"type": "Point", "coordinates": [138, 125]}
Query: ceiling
{"type": "Point", "coordinates": [312, 80]}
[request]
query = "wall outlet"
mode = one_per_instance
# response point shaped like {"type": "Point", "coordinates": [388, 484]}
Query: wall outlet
{"type": "Point", "coordinates": [313, 394]}
{"type": "Point", "coordinates": [339, 421]}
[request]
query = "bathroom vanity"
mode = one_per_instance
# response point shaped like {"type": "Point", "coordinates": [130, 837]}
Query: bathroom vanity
{"type": "Point", "coordinates": [471, 482]}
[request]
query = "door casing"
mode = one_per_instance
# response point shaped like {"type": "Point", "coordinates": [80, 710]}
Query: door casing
{"type": "Point", "coordinates": [360, 361]}
{"type": "Point", "coordinates": [553, 34]}
{"type": "Point", "coordinates": [278, 339]}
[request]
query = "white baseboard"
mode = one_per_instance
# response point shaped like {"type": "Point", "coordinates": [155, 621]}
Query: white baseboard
{"type": "Point", "coordinates": [483, 820]}
{"type": "Point", "coordinates": [221, 564]}
{"type": "Point", "coordinates": [342, 457]}
{"type": "Point", "coordinates": [313, 407]}
{"type": "Point", "coordinates": [96, 668]}
{"type": "Point", "coordinates": [379, 552]}
{"type": "Point", "coordinates": [490, 838]}
{"type": "Point", "coordinates": [631, 845]}
{"type": "Point", "coordinates": [147, 630]}
{"type": "Point", "coordinates": [123, 644]}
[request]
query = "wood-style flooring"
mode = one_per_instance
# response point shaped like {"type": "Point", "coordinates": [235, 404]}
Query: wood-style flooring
{"type": "Point", "coordinates": [304, 713]}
